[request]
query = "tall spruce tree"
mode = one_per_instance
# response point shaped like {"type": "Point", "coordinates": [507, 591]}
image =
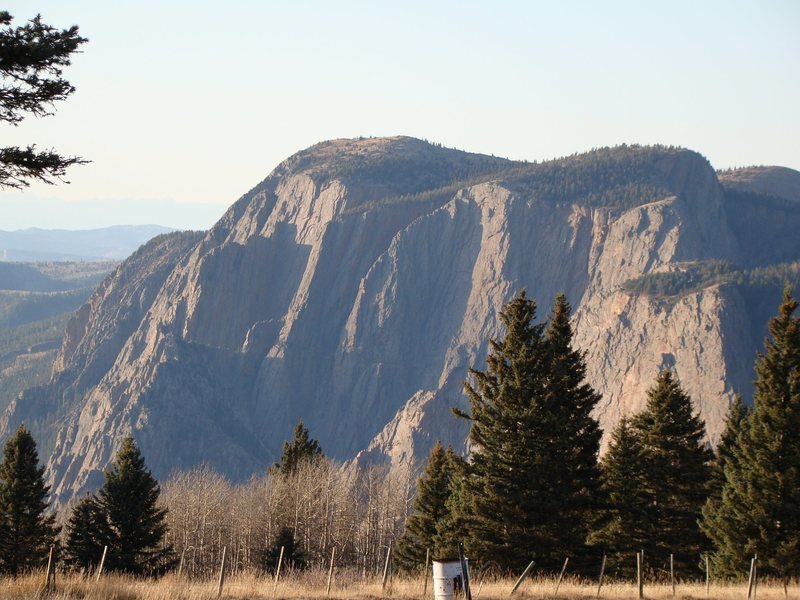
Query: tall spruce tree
{"type": "Point", "coordinates": [759, 510]}
{"type": "Point", "coordinates": [623, 528]}
{"type": "Point", "coordinates": [531, 478]}
{"type": "Point", "coordinates": [131, 523]}
{"type": "Point", "coordinates": [576, 443]}
{"type": "Point", "coordinates": [26, 528]}
{"type": "Point", "coordinates": [301, 448]}
{"type": "Point", "coordinates": [675, 476]}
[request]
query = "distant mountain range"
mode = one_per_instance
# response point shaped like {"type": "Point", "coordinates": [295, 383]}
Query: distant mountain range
{"type": "Point", "coordinates": [109, 243]}
{"type": "Point", "coordinates": [355, 286]}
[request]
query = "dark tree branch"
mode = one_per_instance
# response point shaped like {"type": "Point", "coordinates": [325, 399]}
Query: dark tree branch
{"type": "Point", "coordinates": [18, 166]}
{"type": "Point", "coordinates": [32, 57]}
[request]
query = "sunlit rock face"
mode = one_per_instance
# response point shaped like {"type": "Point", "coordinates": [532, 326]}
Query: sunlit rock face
{"type": "Point", "coordinates": [355, 286]}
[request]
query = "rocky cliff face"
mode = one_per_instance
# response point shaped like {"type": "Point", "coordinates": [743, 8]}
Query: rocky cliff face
{"type": "Point", "coordinates": [355, 286]}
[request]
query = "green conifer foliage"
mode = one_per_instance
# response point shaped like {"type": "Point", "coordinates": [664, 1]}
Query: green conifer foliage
{"type": "Point", "coordinates": [297, 451]}
{"type": "Point", "coordinates": [676, 472]}
{"type": "Point", "coordinates": [623, 530]}
{"type": "Point", "coordinates": [532, 478]}
{"type": "Point", "coordinates": [131, 522]}
{"type": "Point", "coordinates": [576, 442]}
{"type": "Point", "coordinates": [26, 530]}
{"type": "Point", "coordinates": [430, 510]}
{"type": "Point", "coordinates": [82, 548]}
{"type": "Point", "coordinates": [293, 557]}
{"type": "Point", "coordinates": [453, 527]}
{"type": "Point", "coordinates": [734, 420]}
{"type": "Point", "coordinates": [759, 511]}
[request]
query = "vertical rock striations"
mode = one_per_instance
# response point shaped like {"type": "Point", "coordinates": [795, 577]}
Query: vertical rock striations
{"type": "Point", "coordinates": [355, 286]}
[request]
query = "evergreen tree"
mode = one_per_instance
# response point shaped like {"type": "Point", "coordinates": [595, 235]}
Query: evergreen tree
{"type": "Point", "coordinates": [26, 530]}
{"type": "Point", "coordinates": [297, 451]}
{"type": "Point", "coordinates": [576, 443]}
{"type": "Point", "coordinates": [734, 420]}
{"type": "Point", "coordinates": [435, 522]}
{"type": "Point", "coordinates": [759, 511]}
{"type": "Point", "coordinates": [623, 529]}
{"type": "Point", "coordinates": [131, 523]}
{"type": "Point", "coordinates": [676, 474]}
{"type": "Point", "coordinates": [429, 509]}
{"type": "Point", "coordinates": [83, 548]}
{"type": "Point", "coordinates": [453, 527]}
{"type": "Point", "coordinates": [531, 478]}
{"type": "Point", "coordinates": [293, 557]}
{"type": "Point", "coordinates": [32, 57]}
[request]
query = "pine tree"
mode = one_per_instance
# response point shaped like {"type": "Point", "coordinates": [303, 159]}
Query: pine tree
{"type": "Point", "coordinates": [435, 524]}
{"type": "Point", "coordinates": [623, 529]}
{"type": "Point", "coordinates": [293, 557]}
{"type": "Point", "coordinates": [83, 548]}
{"type": "Point", "coordinates": [32, 57]}
{"type": "Point", "coordinates": [759, 512]}
{"type": "Point", "coordinates": [531, 478]}
{"type": "Point", "coordinates": [676, 474]}
{"type": "Point", "coordinates": [297, 451]}
{"type": "Point", "coordinates": [131, 523]}
{"type": "Point", "coordinates": [453, 527]}
{"type": "Point", "coordinates": [26, 530]}
{"type": "Point", "coordinates": [429, 509]}
{"type": "Point", "coordinates": [577, 442]}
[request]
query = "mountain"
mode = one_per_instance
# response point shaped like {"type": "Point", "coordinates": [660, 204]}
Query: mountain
{"type": "Point", "coordinates": [109, 243]}
{"type": "Point", "coordinates": [355, 285]}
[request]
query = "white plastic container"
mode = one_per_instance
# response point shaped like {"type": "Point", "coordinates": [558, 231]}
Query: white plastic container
{"type": "Point", "coordinates": [447, 579]}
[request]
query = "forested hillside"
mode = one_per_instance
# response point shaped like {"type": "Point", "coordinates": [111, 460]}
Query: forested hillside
{"type": "Point", "coordinates": [36, 302]}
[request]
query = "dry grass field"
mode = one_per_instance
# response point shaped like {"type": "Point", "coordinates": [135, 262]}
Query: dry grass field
{"type": "Point", "coordinates": [312, 585]}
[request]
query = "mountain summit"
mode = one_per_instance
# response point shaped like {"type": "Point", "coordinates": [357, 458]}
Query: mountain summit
{"type": "Point", "coordinates": [355, 285]}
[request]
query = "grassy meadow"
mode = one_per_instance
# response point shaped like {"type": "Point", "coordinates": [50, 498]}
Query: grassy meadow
{"type": "Point", "coordinates": [348, 585]}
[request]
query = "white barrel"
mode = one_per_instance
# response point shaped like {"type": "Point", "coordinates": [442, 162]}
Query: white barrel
{"type": "Point", "coordinates": [447, 579]}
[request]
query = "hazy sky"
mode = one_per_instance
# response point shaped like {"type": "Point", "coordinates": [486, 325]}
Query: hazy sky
{"type": "Point", "coordinates": [184, 106]}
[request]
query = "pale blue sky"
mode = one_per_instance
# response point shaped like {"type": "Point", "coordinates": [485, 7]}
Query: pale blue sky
{"type": "Point", "coordinates": [184, 106]}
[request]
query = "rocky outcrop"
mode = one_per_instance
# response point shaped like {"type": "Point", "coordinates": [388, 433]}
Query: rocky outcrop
{"type": "Point", "coordinates": [355, 286]}
{"type": "Point", "coordinates": [94, 336]}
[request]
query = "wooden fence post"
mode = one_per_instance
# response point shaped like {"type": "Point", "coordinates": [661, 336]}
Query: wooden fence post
{"type": "Point", "coordinates": [672, 573]}
{"type": "Point", "coordinates": [102, 562]}
{"type": "Point", "coordinates": [602, 571]}
{"type": "Point", "coordinates": [639, 578]}
{"type": "Point", "coordinates": [386, 567]}
{"type": "Point", "coordinates": [522, 577]}
{"type": "Point", "coordinates": [330, 572]}
{"type": "Point", "coordinates": [50, 574]}
{"type": "Point", "coordinates": [425, 573]}
{"type": "Point", "coordinates": [221, 572]}
{"type": "Point", "coordinates": [561, 575]}
{"type": "Point", "coordinates": [708, 577]}
{"type": "Point", "coordinates": [277, 572]}
{"type": "Point", "coordinates": [750, 577]}
{"type": "Point", "coordinates": [464, 572]}
{"type": "Point", "coordinates": [755, 576]}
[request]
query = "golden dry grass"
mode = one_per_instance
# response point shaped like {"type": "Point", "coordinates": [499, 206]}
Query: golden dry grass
{"type": "Point", "coordinates": [346, 585]}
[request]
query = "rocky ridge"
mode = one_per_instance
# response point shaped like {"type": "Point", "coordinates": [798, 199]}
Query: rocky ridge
{"type": "Point", "coordinates": [355, 285]}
